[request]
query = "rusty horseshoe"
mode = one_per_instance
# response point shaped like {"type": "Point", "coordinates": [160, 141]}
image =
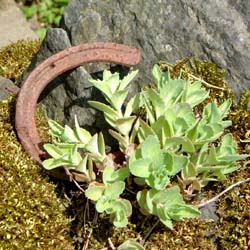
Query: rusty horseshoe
{"type": "Point", "coordinates": [51, 68]}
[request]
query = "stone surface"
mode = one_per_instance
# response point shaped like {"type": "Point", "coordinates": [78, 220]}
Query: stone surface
{"type": "Point", "coordinates": [170, 30]}
{"type": "Point", "coordinates": [13, 25]}
{"type": "Point", "coordinates": [163, 30]}
{"type": "Point", "coordinates": [68, 93]}
{"type": "Point", "coordinates": [7, 87]}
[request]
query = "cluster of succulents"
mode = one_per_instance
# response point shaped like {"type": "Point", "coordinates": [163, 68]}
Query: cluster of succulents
{"type": "Point", "coordinates": [16, 167]}
{"type": "Point", "coordinates": [172, 140]}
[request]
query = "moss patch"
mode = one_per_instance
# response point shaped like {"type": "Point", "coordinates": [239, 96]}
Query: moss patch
{"type": "Point", "coordinates": [14, 58]}
{"type": "Point", "coordinates": [31, 215]}
{"type": "Point", "coordinates": [233, 227]}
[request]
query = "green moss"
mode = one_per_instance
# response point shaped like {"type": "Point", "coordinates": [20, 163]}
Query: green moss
{"type": "Point", "coordinates": [31, 215]}
{"type": "Point", "coordinates": [191, 234]}
{"type": "Point", "coordinates": [212, 77]}
{"type": "Point", "coordinates": [14, 58]}
{"type": "Point", "coordinates": [233, 228]}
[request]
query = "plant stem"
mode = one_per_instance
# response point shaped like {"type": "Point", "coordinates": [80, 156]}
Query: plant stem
{"type": "Point", "coordinates": [149, 232]}
{"type": "Point", "coordinates": [222, 193]}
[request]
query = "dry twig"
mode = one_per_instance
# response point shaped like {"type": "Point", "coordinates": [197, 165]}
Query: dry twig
{"type": "Point", "coordinates": [222, 193]}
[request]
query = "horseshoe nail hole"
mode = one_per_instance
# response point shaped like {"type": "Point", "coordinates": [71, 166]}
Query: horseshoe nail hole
{"type": "Point", "coordinates": [52, 65]}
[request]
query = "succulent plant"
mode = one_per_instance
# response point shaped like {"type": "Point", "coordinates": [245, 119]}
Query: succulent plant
{"type": "Point", "coordinates": [173, 138]}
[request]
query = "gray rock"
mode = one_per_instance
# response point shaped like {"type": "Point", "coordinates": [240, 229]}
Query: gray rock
{"type": "Point", "coordinates": [14, 25]}
{"type": "Point", "coordinates": [67, 95]}
{"type": "Point", "coordinates": [7, 87]}
{"type": "Point", "coordinates": [169, 30]}
{"type": "Point", "coordinates": [163, 30]}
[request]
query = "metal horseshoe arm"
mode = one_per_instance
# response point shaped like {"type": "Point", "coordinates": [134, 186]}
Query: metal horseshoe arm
{"type": "Point", "coordinates": [48, 70]}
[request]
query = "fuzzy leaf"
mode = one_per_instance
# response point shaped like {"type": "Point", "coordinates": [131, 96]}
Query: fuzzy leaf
{"type": "Point", "coordinates": [130, 245]}
{"type": "Point", "coordinates": [110, 175]}
{"type": "Point", "coordinates": [105, 108]}
{"type": "Point", "coordinates": [184, 142]}
{"type": "Point", "coordinates": [113, 190]}
{"type": "Point", "coordinates": [82, 166]}
{"type": "Point", "coordinates": [118, 99]}
{"type": "Point", "coordinates": [133, 105]}
{"type": "Point", "coordinates": [157, 74]}
{"type": "Point", "coordinates": [54, 151]}
{"type": "Point", "coordinates": [54, 163]}
{"type": "Point", "coordinates": [157, 102]}
{"type": "Point", "coordinates": [83, 135]}
{"type": "Point", "coordinates": [127, 79]}
{"type": "Point", "coordinates": [149, 109]}
{"type": "Point", "coordinates": [145, 130]}
{"type": "Point", "coordinates": [101, 145]}
{"type": "Point", "coordinates": [69, 135]}
{"type": "Point", "coordinates": [224, 107]}
{"type": "Point", "coordinates": [140, 167]}
{"type": "Point", "coordinates": [94, 191]}
{"type": "Point", "coordinates": [122, 141]}
{"type": "Point", "coordinates": [55, 128]}
{"type": "Point", "coordinates": [150, 148]}
{"type": "Point", "coordinates": [124, 125]}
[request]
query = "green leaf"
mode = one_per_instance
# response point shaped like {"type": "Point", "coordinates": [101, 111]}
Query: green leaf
{"type": "Point", "coordinates": [163, 129]}
{"type": "Point", "coordinates": [74, 156]}
{"type": "Point", "coordinates": [130, 245]}
{"type": "Point", "coordinates": [145, 130]}
{"type": "Point", "coordinates": [82, 166]}
{"type": "Point", "coordinates": [149, 109]}
{"type": "Point", "coordinates": [141, 198]}
{"type": "Point", "coordinates": [189, 171]}
{"type": "Point", "coordinates": [41, 33]}
{"type": "Point", "coordinates": [157, 74]}
{"type": "Point", "coordinates": [101, 145]}
{"type": "Point", "coordinates": [110, 175]}
{"type": "Point", "coordinates": [192, 131]}
{"type": "Point", "coordinates": [106, 109]}
{"type": "Point", "coordinates": [83, 135]}
{"type": "Point", "coordinates": [53, 150]}
{"type": "Point", "coordinates": [194, 93]}
{"type": "Point", "coordinates": [151, 148]}
{"type": "Point", "coordinates": [140, 167]}
{"type": "Point", "coordinates": [120, 210]}
{"type": "Point", "coordinates": [69, 135]}
{"type": "Point", "coordinates": [184, 142]}
{"type": "Point", "coordinates": [109, 83]}
{"type": "Point", "coordinates": [118, 99]}
{"type": "Point", "coordinates": [224, 107]}
{"type": "Point", "coordinates": [133, 105]}
{"type": "Point", "coordinates": [94, 191]}
{"type": "Point", "coordinates": [164, 219]}
{"type": "Point", "coordinates": [113, 190]}
{"type": "Point", "coordinates": [54, 163]}
{"type": "Point", "coordinates": [125, 124]}
{"type": "Point", "coordinates": [127, 79]}
{"type": "Point", "coordinates": [181, 211]}
{"type": "Point", "coordinates": [55, 128]}
{"type": "Point", "coordinates": [96, 147]}
{"type": "Point", "coordinates": [179, 163]}
{"type": "Point", "coordinates": [157, 102]}
{"type": "Point", "coordinates": [122, 141]}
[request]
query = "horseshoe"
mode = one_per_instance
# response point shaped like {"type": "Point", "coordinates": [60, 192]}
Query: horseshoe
{"type": "Point", "coordinates": [51, 68]}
